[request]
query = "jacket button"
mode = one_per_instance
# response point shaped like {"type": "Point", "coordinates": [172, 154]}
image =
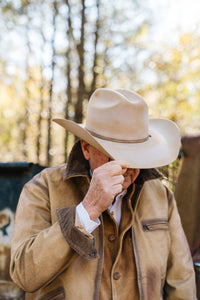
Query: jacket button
{"type": "Point", "coordinates": [112, 237]}
{"type": "Point", "coordinates": [116, 276]}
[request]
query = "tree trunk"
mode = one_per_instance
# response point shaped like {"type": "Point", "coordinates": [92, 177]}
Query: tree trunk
{"type": "Point", "coordinates": [95, 63]}
{"type": "Point", "coordinates": [49, 142]}
{"type": "Point", "coordinates": [41, 108]}
{"type": "Point", "coordinates": [81, 73]}
{"type": "Point", "coordinates": [68, 72]}
{"type": "Point", "coordinates": [27, 96]}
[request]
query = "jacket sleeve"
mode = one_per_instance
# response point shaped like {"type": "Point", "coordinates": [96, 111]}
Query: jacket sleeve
{"type": "Point", "coordinates": [180, 279]}
{"type": "Point", "coordinates": [40, 249]}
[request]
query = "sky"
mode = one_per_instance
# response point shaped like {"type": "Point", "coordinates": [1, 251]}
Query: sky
{"type": "Point", "coordinates": [172, 14]}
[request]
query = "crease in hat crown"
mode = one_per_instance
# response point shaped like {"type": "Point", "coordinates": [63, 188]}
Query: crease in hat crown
{"type": "Point", "coordinates": [117, 115]}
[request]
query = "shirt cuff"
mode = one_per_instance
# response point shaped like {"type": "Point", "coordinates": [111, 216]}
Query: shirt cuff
{"type": "Point", "coordinates": [83, 217]}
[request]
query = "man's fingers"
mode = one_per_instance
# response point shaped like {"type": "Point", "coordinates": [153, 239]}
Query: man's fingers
{"type": "Point", "coordinates": [115, 167]}
{"type": "Point", "coordinates": [118, 179]}
{"type": "Point", "coordinates": [121, 163]}
{"type": "Point", "coordinates": [117, 189]}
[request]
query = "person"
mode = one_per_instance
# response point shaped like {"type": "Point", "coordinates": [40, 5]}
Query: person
{"type": "Point", "coordinates": [104, 226]}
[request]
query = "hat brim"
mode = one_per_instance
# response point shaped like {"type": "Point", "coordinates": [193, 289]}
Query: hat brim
{"type": "Point", "coordinates": [161, 148]}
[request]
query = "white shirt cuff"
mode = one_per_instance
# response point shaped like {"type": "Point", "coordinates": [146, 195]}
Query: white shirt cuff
{"type": "Point", "coordinates": [88, 224]}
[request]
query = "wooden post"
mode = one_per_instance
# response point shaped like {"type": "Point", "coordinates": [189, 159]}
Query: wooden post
{"type": "Point", "coordinates": [187, 190]}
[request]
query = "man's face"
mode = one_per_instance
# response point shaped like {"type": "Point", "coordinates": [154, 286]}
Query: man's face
{"type": "Point", "coordinates": [97, 159]}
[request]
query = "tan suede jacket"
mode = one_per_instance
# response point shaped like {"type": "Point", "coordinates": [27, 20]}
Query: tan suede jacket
{"type": "Point", "coordinates": [51, 259]}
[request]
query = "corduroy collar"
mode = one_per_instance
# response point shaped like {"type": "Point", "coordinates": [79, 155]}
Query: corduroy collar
{"type": "Point", "coordinates": [77, 165]}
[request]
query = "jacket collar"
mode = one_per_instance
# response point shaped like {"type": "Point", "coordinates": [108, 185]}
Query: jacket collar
{"type": "Point", "coordinates": [77, 165]}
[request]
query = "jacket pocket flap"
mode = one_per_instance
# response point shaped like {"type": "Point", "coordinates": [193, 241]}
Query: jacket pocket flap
{"type": "Point", "coordinates": [155, 224]}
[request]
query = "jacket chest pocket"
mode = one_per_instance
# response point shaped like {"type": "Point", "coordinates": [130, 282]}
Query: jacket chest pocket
{"type": "Point", "coordinates": [155, 224]}
{"type": "Point", "coordinates": [57, 294]}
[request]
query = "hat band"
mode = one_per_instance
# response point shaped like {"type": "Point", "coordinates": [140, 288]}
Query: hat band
{"type": "Point", "coordinates": [117, 140]}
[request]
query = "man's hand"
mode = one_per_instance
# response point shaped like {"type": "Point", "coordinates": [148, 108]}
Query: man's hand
{"type": "Point", "coordinates": [106, 183]}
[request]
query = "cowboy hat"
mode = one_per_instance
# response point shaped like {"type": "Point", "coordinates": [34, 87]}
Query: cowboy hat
{"type": "Point", "coordinates": [117, 124]}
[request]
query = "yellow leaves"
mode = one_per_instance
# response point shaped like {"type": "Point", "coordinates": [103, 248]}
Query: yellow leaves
{"type": "Point", "coordinates": [185, 39]}
{"type": "Point", "coordinates": [178, 83]}
{"type": "Point", "coordinates": [141, 35]}
{"type": "Point", "coordinates": [25, 2]}
{"type": "Point", "coordinates": [144, 30]}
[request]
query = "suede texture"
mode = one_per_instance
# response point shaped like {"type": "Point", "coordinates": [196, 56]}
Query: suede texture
{"type": "Point", "coordinates": [52, 259]}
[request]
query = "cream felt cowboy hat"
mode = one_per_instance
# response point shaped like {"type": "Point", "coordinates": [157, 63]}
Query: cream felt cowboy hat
{"type": "Point", "coordinates": [117, 124]}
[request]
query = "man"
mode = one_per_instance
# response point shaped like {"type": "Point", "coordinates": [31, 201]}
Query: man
{"type": "Point", "coordinates": [104, 226]}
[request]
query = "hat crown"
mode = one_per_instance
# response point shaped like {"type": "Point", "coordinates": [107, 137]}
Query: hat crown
{"type": "Point", "coordinates": [117, 114]}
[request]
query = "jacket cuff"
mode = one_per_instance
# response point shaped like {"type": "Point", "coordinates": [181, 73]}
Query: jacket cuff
{"type": "Point", "coordinates": [83, 245]}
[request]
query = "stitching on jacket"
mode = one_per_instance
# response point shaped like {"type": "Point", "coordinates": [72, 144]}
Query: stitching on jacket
{"type": "Point", "coordinates": [100, 262]}
{"type": "Point", "coordinates": [138, 266]}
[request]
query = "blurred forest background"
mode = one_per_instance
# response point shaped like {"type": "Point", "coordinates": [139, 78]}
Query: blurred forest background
{"type": "Point", "coordinates": [54, 54]}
